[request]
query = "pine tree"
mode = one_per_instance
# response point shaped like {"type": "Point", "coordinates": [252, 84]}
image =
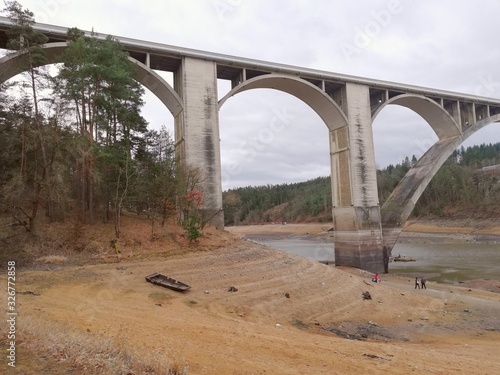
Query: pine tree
{"type": "Point", "coordinates": [24, 39]}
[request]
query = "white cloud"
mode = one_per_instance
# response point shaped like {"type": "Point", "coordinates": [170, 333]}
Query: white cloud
{"type": "Point", "coordinates": [445, 44]}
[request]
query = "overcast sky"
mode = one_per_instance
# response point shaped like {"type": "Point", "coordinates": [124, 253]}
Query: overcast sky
{"type": "Point", "coordinates": [446, 44]}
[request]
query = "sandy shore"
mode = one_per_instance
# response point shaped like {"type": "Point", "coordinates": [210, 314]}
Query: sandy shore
{"type": "Point", "coordinates": [417, 232]}
{"type": "Point", "coordinates": [288, 315]}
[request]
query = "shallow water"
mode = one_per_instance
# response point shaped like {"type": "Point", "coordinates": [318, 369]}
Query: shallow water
{"type": "Point", "coordinates": [322, 251]}
{"type": "Point", "coordinates": [449, 263]}
{"type": "Point", "coordinates": [445, 263]}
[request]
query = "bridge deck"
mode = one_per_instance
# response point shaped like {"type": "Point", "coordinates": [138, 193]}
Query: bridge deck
{"type": "Point", "coordinates": [165, 57]}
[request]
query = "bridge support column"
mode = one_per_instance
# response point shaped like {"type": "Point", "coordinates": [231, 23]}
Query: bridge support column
{"type": "Point", "coordinates": [197, 131]}
{"type": "Point", "coordinates": [356, 211]}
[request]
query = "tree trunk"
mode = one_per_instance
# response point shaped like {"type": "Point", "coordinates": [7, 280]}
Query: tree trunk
{"type": "Point", "coordinates": [117, 220]}
{"type": "Point", "coordinates": [45, 165]}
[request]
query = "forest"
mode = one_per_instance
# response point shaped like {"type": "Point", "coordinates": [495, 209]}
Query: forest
{"type": "Point", "coordinates": [73, 140]}
{"type": "Point", "coordinates": [467, 184]}
{"type": "Point", "coordinates": [74, 143]}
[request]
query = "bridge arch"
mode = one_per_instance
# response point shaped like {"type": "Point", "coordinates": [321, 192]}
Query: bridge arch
{"type": "Point", "coordinates": [443, 124]}
{"type": "Point", "coordinates": [14, 64]}
{"type": "Point", "coordinates": [327, 109]}
{"type": "Point", "coordinates": [398, 207]}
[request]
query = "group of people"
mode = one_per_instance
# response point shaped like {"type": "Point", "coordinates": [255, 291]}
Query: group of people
{"type": "Point", "coordinates": [420, 283]}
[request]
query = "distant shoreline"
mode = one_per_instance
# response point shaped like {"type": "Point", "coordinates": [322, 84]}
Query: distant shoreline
{"type": "Point", "coordinates": [414, 232]}
{"type": "Point", "coordinates": [438, 238]}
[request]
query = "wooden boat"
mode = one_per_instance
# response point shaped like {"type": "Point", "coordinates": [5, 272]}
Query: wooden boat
{"type": "Point", "coordinates": [167, 282]}
{"type": "Point", "coordinates": [403, 259]}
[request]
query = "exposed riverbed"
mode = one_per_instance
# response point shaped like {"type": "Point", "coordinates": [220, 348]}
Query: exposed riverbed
{"type": "Point", "coordinates": [439, 257]}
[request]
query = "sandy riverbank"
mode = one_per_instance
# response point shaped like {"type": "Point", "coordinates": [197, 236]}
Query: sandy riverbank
{"type": "Point", "coordinates": [289, 315]}
{"type": "Point", "coordinates": [421, 232]}
{"type": "Point", "coordinates": [415, 232]}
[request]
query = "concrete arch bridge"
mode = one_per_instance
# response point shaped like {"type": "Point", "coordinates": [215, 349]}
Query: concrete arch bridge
{"type": "Point", "coordinates": [364, 232]}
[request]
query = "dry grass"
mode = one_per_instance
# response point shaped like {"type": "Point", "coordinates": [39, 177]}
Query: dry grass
{"type": "Point", "coordinates": [125, 326]}
{"type": "Point", "coordinates": [73, 243]}
{"type": "Point", "coordinates": [94, 353]}
{"type": "Point", "coordinates": [82, 243]}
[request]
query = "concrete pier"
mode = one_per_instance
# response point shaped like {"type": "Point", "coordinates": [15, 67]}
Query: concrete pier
{"type": "Point", "coordinates": [364, 234]}
{"type": "Point", "coordinates": [356, 212]}
{"type": "Point", "coordinates": [197, 133]}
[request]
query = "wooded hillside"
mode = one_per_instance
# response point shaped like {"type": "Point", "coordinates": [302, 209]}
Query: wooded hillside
{"type": "Point", "coordinates": [73, 141]}
{"type": "Point", "coordinates": [467, 184]}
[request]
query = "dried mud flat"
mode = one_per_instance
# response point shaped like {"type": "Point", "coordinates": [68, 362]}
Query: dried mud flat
{"type": "Point", "coordinates": [288, 315]}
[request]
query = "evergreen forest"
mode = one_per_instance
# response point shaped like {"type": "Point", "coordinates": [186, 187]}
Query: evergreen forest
{"type": "Point", "coordinates": [73, 140]}
{"type": "Point", "coordinates": [468, 184]}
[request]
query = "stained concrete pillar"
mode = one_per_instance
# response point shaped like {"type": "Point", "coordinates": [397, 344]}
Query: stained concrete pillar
{"type": "Point", "coordinates": [356, 211]}
{"type": "Point", "coordinates": [197, 131]}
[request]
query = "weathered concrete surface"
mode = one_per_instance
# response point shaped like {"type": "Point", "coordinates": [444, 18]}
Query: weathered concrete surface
{"type": "Point", "coordinates": [197, 131]}
{"type": "Point", "coordinates": [326, 108]}
{"type": "Point", "coordinates": [358, 238]}
{"type": "Point", "coordinates": [345, 103]}
{"type": "Point", "coordinates": [442, 122]}
{"type": "Point", "coordinates": [398, 207]}
{"type": "Point", "coordinates": [356, 213]}
{"type": "Point", "coordinates": [402, 200]}
{"type": "Point", "coordinates": [16, 63]}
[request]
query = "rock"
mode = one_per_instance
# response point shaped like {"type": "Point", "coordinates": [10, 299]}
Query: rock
{"type": "Point", "coordinates": [232, 289]}
{"type": "Point", "coordinates": [278, 325]}
{"type": "Point", "coordinates": [424, 318]}
{"type": "Point", "coordinates": [207, 292]}
{"type": "Point", "coordinates": [467, 310]}
{"type": "Point", "coordinates": [367, 295]}
{"type": "Point", "coordinates": [287, 295]}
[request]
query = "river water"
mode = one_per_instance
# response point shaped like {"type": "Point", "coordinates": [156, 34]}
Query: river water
{"type": "Point", "coordinates": [442, 262]}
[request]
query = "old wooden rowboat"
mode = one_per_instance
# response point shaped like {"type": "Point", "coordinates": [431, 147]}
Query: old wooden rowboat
{"type": "Point", "coordinates": [167, 282]}
{"type": "Point", "coordinates": [404, 259]}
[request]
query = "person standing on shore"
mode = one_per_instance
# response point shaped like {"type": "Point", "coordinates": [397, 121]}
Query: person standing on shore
{"type": "Point", "coordinates": [422, 281]}
{"type": "Point", "coordinates": [417, 284]}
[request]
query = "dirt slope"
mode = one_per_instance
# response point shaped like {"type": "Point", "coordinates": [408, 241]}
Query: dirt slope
{"type": "Point", "coordinates": [257, 329]}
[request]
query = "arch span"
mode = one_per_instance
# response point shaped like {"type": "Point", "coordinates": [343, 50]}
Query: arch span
{"type": "Point", "coordinates": [435, 115]}
{"type": "Point", "coordinates": [14, 64]}
{"type": "Point", "coordinates": [402, 200]}
{"type": "Point", "coordinates": [318, 100]}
